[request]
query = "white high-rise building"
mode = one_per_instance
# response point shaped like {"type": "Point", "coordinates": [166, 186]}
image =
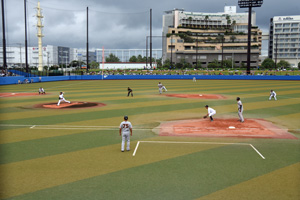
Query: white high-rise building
{"type": "Point", "coordinates": [284, 41]}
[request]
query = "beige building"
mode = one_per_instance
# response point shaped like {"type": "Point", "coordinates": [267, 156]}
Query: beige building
{"type": "Point", "coordinates": [206, 37]}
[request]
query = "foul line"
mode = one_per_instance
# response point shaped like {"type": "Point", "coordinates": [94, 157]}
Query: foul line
{"type": "Point", "coordinates": [72, 127]}
{"type": "Point", "coordinates": [217, 143]}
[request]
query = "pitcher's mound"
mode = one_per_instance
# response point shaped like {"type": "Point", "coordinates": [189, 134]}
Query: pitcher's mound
{"type": "Point", "coordinates": [251, 128]}
{"type": "Point", "coordinates": [197, 96]}
{"type": "Point", "coordinates": [72, 105]}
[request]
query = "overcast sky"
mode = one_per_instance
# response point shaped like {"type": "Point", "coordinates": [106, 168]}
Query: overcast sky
{"type": "Point", "coordinates": [115, 24]}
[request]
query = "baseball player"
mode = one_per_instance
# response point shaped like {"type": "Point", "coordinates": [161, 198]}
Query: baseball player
{"type": "Point", "coordinates": [240, 109]}
{"type": "Point", "coordinates": [273, 94]}
{"type": "Point", "coordinates": [194, 79]}
{"type": "Point", "coordinates": [41, 91]}
{"type": "Point", "coordinates": [210, 113]}
{"type": "Point", "coordinates": [160, 86]}
{"type": "Point", "coordinates": [125, 131]}
{"type": "Point", "coordinates": [129, 91]}
{"type": "Point", "coordinates": [61, 98]}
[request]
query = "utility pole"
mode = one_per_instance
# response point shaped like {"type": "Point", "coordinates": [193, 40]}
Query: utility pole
{"type": "Point", "coordinates": [26, 46]}
{"type": "Point", "coordinates": [276, 45]}
{"type": "Point", "coordinates": [197, 52]}
{"type": "Point", "coordinates": [87, 39]}
{"type": "Point", "coordinates": [249, 4]}
{"type": "Point", "coordinates": [151, 38]}
{"type": "Point", "coordinates": [4, 40]}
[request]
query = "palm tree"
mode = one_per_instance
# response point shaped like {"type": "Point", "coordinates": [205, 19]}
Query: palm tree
{"type": "Point", "coordinates": [206, 20]}
{"type": "Point", "coordinates": [232, 38]}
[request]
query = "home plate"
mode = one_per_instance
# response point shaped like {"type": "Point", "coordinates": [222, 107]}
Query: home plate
{"type": "Point", "coordinates": [200, 95]}
{"type": "Point", "coordinates": [231, 127]}
{"type": "Point", "coordinates": [13, 93]}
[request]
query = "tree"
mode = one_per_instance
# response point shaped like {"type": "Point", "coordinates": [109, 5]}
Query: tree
{"type": "Point", "coordinates": [284, 64]}
{"type": "Point", "coordinates": [232, 38]}
{"type": "Point", "coordinates": [228, 19]}
{"type": "Point", "coordinates": [133, 59]}
{"type": "Point", "coordinates": [206, 20]}
{"type": "Point", "coordinates": [141, 59]}
{"type": "Point", "coordinates": [112, 58]}
{"type": "Point", "coordinates": [94, 65]}
{"type": "Point", "coordinates": [227, 63]}
{"type": "Point", "coordinates": [214, 64]}
{"type": "Point", "coordinates": [268, 63]}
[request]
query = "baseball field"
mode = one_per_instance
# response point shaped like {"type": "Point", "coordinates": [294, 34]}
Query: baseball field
{"type": "Point", "coordinates": [74, 152]}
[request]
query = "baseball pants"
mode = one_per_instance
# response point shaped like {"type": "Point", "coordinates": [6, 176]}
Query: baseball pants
{"type": "Point", "coordinates": [125, 138]}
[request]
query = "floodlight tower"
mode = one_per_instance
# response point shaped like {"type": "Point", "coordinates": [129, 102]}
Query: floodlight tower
{"type": "Point", "coordinates": [249, 4]}
{"type": "Point", "coordinates": [40, 35]}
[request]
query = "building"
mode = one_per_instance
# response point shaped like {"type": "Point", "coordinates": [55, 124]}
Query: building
{"type": "Point", "coordinates": [52, 55]}
{"type": "Point", "coordinates": [284, 41]}
{"type": "Point", "coordinates": [125, 54]}
{"type": "Point", "coordinates": [197, 37]}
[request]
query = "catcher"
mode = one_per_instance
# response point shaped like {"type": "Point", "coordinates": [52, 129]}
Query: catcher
{"type": "Point", "coordinates": [210, 113]}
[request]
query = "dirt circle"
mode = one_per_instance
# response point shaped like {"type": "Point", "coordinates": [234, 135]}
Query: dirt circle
{"type": "Point", "coordinates": [72, 105]}
{"type": "Point", "coordinates": [251, 128]}
{"type": "Point", "coordinates": [197, 96]}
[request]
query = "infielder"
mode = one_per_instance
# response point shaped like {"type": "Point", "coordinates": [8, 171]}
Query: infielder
{"type": "Point", "coordinates": [240, 109]}
{"type": "Point", "coordinates": [273, 94]}
{"type": "Point", "coordinates": [126, 131]}
{"type": "Point", "coordinates": [61, 98]}
{"type": "Point", "coordinates": [210, 113]}
{"type": "Point", "coordinates": [41, 91]}
{"type": "Point", "coordinates": [129, 91]}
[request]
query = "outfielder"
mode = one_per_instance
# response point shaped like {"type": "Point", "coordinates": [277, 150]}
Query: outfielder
{"type": "Point", "coordinates": [210, 113]}
{"type": "Point", "coordinates": [273, 94]}
{"type": "Point", "coordinates": [240, 109]}
{"type": "Point", "coordinates": [61, 98]}
{"type": "Point", "coordinates": [41, 91]}
{"type": "Point", "coordinates": [126, 131]}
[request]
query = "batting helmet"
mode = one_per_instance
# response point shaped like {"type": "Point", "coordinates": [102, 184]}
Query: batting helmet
{"type": "Point", "coordinates": [125, 117]}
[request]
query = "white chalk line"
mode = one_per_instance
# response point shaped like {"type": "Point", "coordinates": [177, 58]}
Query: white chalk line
{"type": "Point", "coordinates": [72, 127]}
{"type": "Point", "coordinates": [213, 143]}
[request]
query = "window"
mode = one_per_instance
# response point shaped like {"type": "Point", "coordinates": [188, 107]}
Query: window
{"type": "Point", "coordinates": [203, 57]}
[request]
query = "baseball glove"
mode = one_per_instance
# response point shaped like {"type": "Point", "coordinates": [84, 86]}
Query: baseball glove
{"type": "Point", "coordinates": [204, 117]}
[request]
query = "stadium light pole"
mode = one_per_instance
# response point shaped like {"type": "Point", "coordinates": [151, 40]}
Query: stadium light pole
{"type": "Point", "coordinates": [276, 50]}
{"type": "Point", "coordinates": [26, 45]}
{"type": "Point", "coordinates": [3, 39]}
{"type": "Point", "coordinates": [87, 39]}
{"type": "Point", "coordinates": [249, 4]}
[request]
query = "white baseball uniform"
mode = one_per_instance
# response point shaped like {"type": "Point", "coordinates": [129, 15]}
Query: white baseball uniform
{"type": "Point", "coordinates": [273, 94]}
{"type": "Point", "coordinates": [240, 110]}
{"type": "Point", "coordinates": [41, 90]}
{"type": "Point", "coordinates": [211, 111]}
{"type": "Point", "coordinates": [61, 98]}
{"type": "Point", "coordinates": [125, 127]}
{"type": "Point", "coordinates": [160, 86]}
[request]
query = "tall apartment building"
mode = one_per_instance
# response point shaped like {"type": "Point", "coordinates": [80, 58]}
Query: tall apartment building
{"type": "Point", "coordinates": [284, 39]}
{"type": "Point", "coordinates": [205, 37]}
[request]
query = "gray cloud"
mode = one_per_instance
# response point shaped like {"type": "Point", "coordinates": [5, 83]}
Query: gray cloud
{"type": "Point", "coordinates": [115, 23]}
